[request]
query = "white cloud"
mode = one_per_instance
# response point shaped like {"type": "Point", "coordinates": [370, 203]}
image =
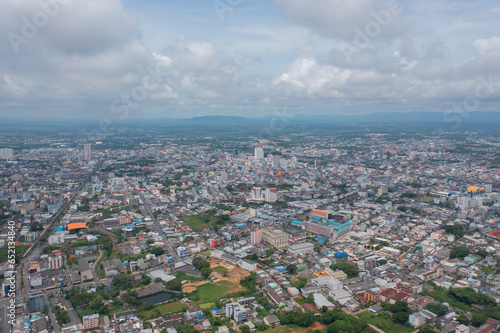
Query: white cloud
{"type": "Point", "coordinates": [340, 18]}
{"type": "Point", "coordinates": [311, 79]}
{"type": "Point", "coordinates": [482, 45]}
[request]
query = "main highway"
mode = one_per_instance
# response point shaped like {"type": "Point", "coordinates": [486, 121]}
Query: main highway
{"type": "Point", "coordinates": [159, 229]}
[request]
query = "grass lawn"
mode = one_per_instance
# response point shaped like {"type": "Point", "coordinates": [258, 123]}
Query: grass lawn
{"type": "Point", "coordinates": [212, 292]}
{"type": "Point", "coordinates": [384, 324]}
{"type": "Point", "coordinates": [200, 222]}
{"type": "Point", "coordinates": [207, 305]}
{"type": "Point", "coordinates": [425, 199]}
{"type": "Point", "coordinates": [196, 222]}
{"type": "Point", "coordinates": [286, 329]}
{"type": "Point", "coordinates": [219, 269]}
{"type": "Point", "coordinates": [115, 253]}
{"type": "Point", "coordinates": [172, 307]}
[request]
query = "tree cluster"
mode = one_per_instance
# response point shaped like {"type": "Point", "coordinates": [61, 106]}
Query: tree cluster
{"type": "Point", "coordinates": [339, 321]}
{"type": "Point", "coordinates": [351, 270]}
{"type": "Point", "coordinates": [292, 268]}
{"type": "Point", "coordinates": [437, 308]}
{"type": "Point", "coordinates": [61, 315]}
{"type": "Point", "coordinates": [401, 311]}
{"type": "Point", "coordinates": [203, 266]}
{"type": "Point", "coordinates": [469, 296]}
{"type": "Point", "coordinates": [249, 282]}
{"type": "Point", "coordinates": [459, 252]}
{"type": "Point", "coordinates": [456, 230]}
{"type": "Point", "coordinates": [296, 317]}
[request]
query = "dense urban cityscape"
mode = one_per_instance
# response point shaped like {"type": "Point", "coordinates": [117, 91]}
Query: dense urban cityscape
{"type": "Point", "coordinates": [359, 231]}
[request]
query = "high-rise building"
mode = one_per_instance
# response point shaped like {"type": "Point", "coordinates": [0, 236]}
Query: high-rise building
{"type": "Point", "coordinates": [259, 153]}
{"type": "Point", "coordinates": [6, 153]}
{"type": "Point", "coordinates": [256, 193]}
{"type": "Point", "coordinates": [275, 161]}
{"type": "Point", "coordinates": [36, 301]}
{"type": "Point", "coordinates": [87, 152]}
{"type": "Point", "coordinates": [271, 195]}
{"type": "Point", "coordinates": [256, 237]}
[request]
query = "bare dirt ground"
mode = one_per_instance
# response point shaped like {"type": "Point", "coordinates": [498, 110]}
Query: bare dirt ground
{"type": "Point", "coordinates": [189, 287]}
{"type": "Point", "coordinates": [317, 326]}
{"type": "Point", "coordinates": [235, 275]}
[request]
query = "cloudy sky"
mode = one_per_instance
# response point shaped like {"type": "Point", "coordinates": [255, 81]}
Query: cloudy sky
{"type": "Point", "coordinates": [126, 59]}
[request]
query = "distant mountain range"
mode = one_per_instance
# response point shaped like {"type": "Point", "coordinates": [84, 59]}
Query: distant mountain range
{"type": "Point", "coordinates": [445, 121]}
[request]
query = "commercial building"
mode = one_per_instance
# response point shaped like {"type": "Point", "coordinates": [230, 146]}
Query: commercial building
{"type": "Point", "coordinates": [181, 251]}
{"type": "Point", "coordinates": [302, 248]}
{"type": "Point", "coordinates": [87, 152]}
{"type": "Point", "coordinates": [318, 216]}
{"type": "Point", "coordinates": [36, 301]}
{"type": "Point", "coordinates": [256, 193]}
{"type": "Point", "coordinates": [361, 236]}
{"type": "Point", "coordinates": [329, 228]}
{"type": "Point", "coordinates": [90, 322]}
{"type": "Point", "coordinates": [242, 263]}
{"type": "Point", "coordinates": [449, 267]}
{"type": "Point", "coordinates": [6, 153]}
{"type": "Point", "coordinates": [310, 290]}
{"type": "Point", "coordinates": [327, 282]}
{"type": "Point", "coordinates": [259, 153]}
{"type": "Point", "coordinates": [271, 195]}
{"type": "Point", "coordinates": [339, 275]}
{"type": "Point", "coordinates": [57, 238]}
{"type": "Point", "coordinates": [255, 236]}
{"type": "Point", "coordinates": [474, 191]}
{"type": "Point", "coordinates": [275, 238]}
{"type": "Point", "coordinates": [275, 161]}
{"type": "Point", "coordinates": [85, 271]}
{"type": "Point", "coordinates": [321, 301]}
{"type": "Point", "coordinates": [390, 250]}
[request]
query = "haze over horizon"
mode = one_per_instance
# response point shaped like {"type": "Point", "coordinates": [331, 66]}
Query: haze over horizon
{"type": "Point", "coordinates": [150, 59]}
